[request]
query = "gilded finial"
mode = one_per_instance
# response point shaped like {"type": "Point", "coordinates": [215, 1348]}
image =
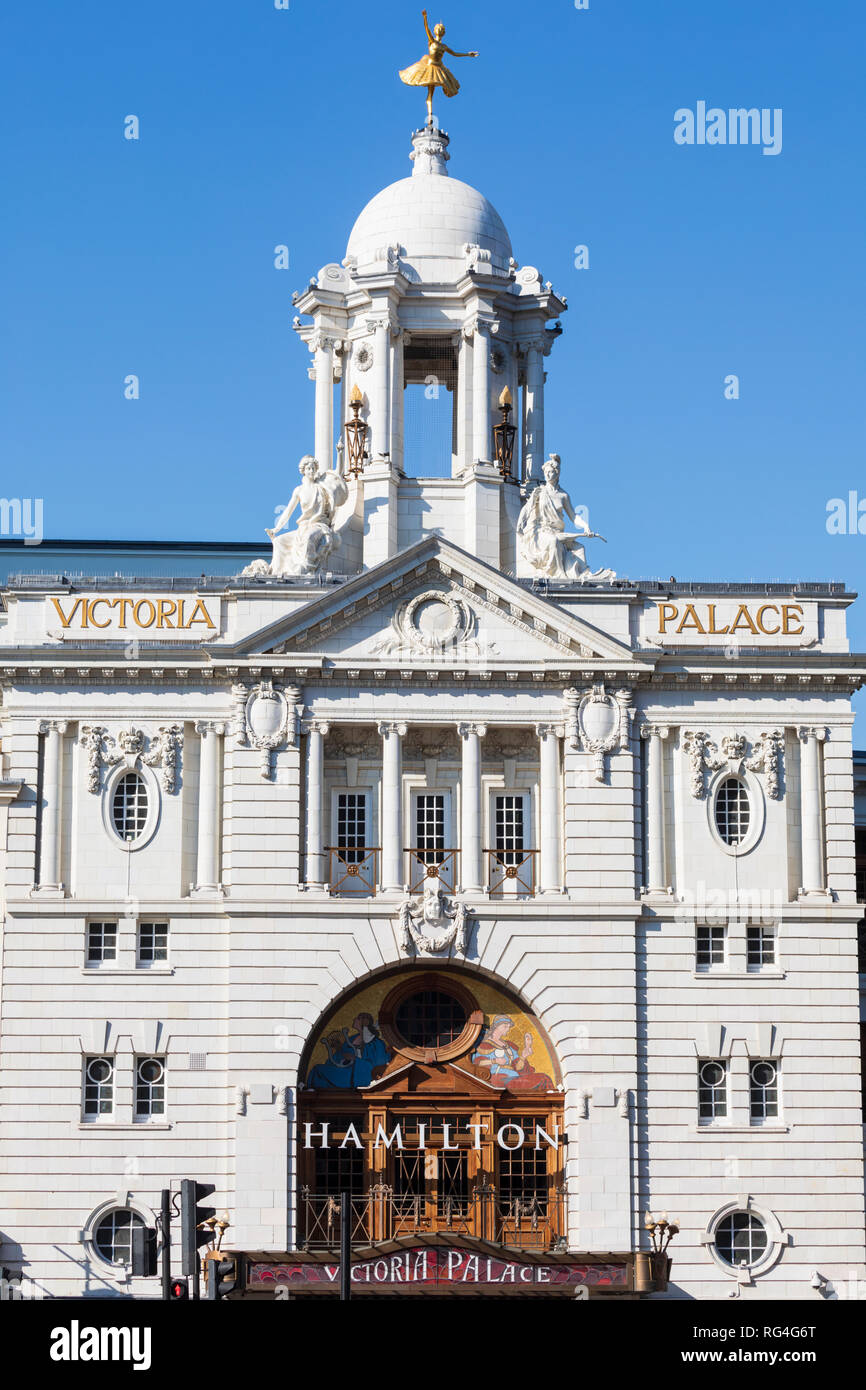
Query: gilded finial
{"type": "Point", "coordinates": [431, 72]}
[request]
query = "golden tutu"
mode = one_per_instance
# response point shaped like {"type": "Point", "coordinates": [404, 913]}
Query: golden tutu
{"type": "Point", "coordinates": [429, 72]}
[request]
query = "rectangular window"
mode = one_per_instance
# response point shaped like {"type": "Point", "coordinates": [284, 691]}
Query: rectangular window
{"type": "Point", "coordinates": [430, 824]}
{"type": "Point", "coordinates": [101, 942]}
{"type": "Point", "coordinates": [763, 1091]}
{"type": "Point", "coordinates": [709, 947]}
{"type": "Point", "coordinates": [712, 1090]}
{"type": "Point", "coordinates": [98, 1087]}
{"type": "Point", "coordinates": [509, 827]}
{"type": "Point", "coordinates": [149, 1087]}
{"type": "Point", "coordinates": [152, 942]}
{"type": "Point", "coordinates": [352, 826]}
{"type": "Point", "coordinates": [760, 947]}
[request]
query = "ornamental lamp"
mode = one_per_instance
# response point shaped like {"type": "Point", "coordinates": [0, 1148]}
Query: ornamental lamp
{"type": "Point", "coordinates": [503, 435]}
{"type": "Point", "coordinates": [356, 435]}
{"type": "Point", "coordinates": [656, 1261]}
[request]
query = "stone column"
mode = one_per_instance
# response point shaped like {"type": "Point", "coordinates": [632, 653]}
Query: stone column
{"type": "Point", "coordinates": [207, 874]}
{"type": "Point", "coordinates": [380, 387]}
{"type": "Point", "coordinates": [655, 875]}
{"type": "Point", "coordinates": [550, 818]}
{"type": "Point", "coordinates": [49, 852]}
{"type": "Point", "coordinates": [533, 449]}
{"type": "Point", "coordinates": [392, 806]}
{"type": "Point", "coordinates": [811, 820]}
{"type": "Point", "coordinates": [471, 811]}
{"type": "Point", "coordinates": [324, 365]}
{"type": "Point", "coordinates": [482, 446]}
{"type": "Point", "coordinates": [316, 867]}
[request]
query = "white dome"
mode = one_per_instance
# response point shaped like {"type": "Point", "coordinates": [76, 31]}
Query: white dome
{"type": "Point", "coordinates": [432, 218]}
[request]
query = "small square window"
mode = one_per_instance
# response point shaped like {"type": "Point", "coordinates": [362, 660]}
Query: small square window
{"type": "Point", "coordinates": [760, 947]}
{"type": "Point", "coordinates": [712, 1090]}
{"type": "Point", "coordinates": [152, 943]}
{"type": "Point", "coordinates": [101, 942]}
{"type": "Point", "coordinates": [709, 947]}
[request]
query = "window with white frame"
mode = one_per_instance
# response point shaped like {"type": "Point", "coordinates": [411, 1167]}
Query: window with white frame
{"type": "Point", "coordinates": [510, 826]}
{"type": "Point", "coordinates": [98, 1097]}
{"type": "Point", "coordinates": [352, 828]}
{"type": "Point", "coordinates": [732, 811]}
{"type": "Point", "coordinates": [430, 825]}
{"type": "Point", "coordinates": [152, 943]}
{"type": "Point", "coordinates": [112, 1237]}
{"type": "Point", "coordinates": [129, 807]}
{"type": "Point", "coordinates": [763, 1091]}
{"type": "Point", "coordinates": [712, 1090]}
{"type": "Point", "coordinates": [760, 947]}
{"type": "Point", "coordinates": [101, 942]}
{"type": "Point", "coordinates": [149, 1087]}
{"type": "Point", "coordinates": [709, 946]}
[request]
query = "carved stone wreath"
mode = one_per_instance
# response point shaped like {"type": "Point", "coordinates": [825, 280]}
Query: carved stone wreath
{"type": "Point", "coordinates": [705, 756]}
{"type": "Point", "coordinates": [363, 356]}
{"type": "Point", "coordinates": [132, 747]}
{"type": "Point", "coordinates": [429, 624]}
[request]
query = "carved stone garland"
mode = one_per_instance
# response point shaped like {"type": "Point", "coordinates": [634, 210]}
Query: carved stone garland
{"type": "Point", "coordinates": [598, 723]}
{"type": "Point", "coordinates": [131, 747]}
{"type": "Point", "coordinates": [705, 756]}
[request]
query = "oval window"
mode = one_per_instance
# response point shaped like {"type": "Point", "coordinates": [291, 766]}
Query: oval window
{"type": "Point", "coordinates": [112, 1238]}
{"type": "Point", "coordinates": [129, 807]}
{"type": "Point", "coordinates": [431, 1018]}
{"type": "Point", "coordinates": [733, 812]}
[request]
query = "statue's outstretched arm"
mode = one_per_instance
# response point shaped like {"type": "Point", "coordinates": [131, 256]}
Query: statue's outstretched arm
{"type": "Point", "coordinates": [455, 54]}
{"type": "Point", "coordinates": [284, 516]}
{"type": "Point", "coordinates": [427, 27]}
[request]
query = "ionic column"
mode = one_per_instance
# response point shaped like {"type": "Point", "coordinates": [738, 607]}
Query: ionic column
{"type": "Point", "coordinates": [655, 875]}
{"type": "Point", "coordinates": [481, 425]}
{"type": "Point", "coordinates": [471, 867]}
{"type": "Point", "coordinates": [811, 820]}
{"type": "Point", "coordinates": [207, 857]}
{"type": "Point", "coordinates": [49, 853]}
{"type": "Point", "coordinates": [380, 402]}
{"type": "Point", "coordinates": [550, 817]}
{"type": "Point", "coordinates": [316, 868]}
{"type": "Point", "coordinates": [533, 448]}
{"type": "Point", "coordinates": [324, 366]}
{"type": "Point", "coordinates": [392, 806]}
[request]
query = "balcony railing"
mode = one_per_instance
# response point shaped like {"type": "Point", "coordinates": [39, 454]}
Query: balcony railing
{"type": "Point", "coordinates": [534, 1222]}
{"type": "Point", "coordinates": [511, 873]}
{"type": "Point", "coordinates": [424, 864]}
{"type": "Point", "coordinates": [353, 872]}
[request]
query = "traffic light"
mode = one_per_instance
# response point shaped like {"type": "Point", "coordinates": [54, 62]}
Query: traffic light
{"type": "Point", "coordinates": [178, 1288]}
{"type": "Point", "coordinates": [143, 1252]}
{"type": "Point", "coordinates": [192, 1215]}
{"type": "Point", "coordinates": [224, 1274]}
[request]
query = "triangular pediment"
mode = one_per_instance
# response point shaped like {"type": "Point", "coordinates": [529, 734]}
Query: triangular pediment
{"type": "Point", "coordinates": [435, 604]}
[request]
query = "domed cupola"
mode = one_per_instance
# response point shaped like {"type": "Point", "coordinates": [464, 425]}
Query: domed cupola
{"type": "Point", "coordinates": [430, 220]}
{"type": "Point", "coordinates": [428, 344]}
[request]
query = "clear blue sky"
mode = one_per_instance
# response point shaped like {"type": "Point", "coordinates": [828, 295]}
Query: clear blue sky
{"type": "Point", "coordinates": [262, 126]}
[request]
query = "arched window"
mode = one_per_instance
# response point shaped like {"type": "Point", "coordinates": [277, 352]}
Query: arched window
{"type": "Point", "coordinates": [112, 1237]}
{"type": "Point", "coordinates": [129, 807]}
{"type": "Point", "coordinates": [741, 1237]}
{"type": "Point", "coordinates": [733, 812]}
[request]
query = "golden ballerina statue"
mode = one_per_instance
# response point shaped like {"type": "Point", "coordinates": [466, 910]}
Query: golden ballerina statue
{"type": "Point", "coordinates": [431, 72]}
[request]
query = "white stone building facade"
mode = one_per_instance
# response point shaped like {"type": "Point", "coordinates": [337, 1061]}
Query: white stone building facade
{"type": "Point", "coordinates": [220, 800]}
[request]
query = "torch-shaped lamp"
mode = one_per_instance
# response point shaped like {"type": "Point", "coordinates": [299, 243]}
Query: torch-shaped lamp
{"type": "Point", "coordinates": [356, 435]}
{"type": "Point", "coordinates": [503, 435]}
{"type": "Point", "coordinates": [662, 1230]}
